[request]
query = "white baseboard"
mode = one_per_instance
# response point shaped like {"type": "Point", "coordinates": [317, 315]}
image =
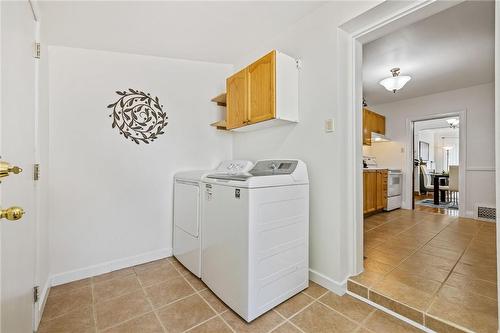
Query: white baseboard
{"type": "Point", "coordinates": [109, 266]}
{"type": "Point", "coordinates": [469, 214]}
{"type": "Point", "coordinates": [338, 288]}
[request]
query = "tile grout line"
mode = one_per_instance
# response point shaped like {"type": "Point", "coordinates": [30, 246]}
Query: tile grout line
{"type": "Point", "coordinates": [371, 288]}
{"type": "Point", "coordinates": [153, 309]}
{"type": "Point", "coordinates": [198, 292]}
{"type": "Point", "coordinates": [340, 313]}
{"type": "Point", "coordinates": [434, 296]}
{"type": "Point", "coordinates": [200, 323]}
{"type": "Point", "coordinates": [140, 283]}
{"type": "Point", "coordinates": [219, 315]}
{"type": "Point", "coordinates": [124, 321]}
{"type": "Point", "coordinates": [70, 310]}
{"type": "Point", "coordinates": [225, 322]}
{"type": "Point", "coordinates": [151, 304]}
{"type": "Point", "coordinates": [364, 321]}
{"type": "Point", "coordinates": [405, 258]}
{"type": "Point", "coordinates": [287, 320]}
{"type": "Point", "coordinates": [424, 312]}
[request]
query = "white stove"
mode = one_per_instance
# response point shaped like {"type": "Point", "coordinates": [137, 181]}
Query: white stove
{"type": "Point", "coordinates": [394, 182]}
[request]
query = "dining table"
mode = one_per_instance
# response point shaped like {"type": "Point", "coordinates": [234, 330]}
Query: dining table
{"type": "Point", "coordinates": [439, 194]}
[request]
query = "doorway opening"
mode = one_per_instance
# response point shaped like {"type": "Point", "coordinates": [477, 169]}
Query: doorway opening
{"type": "Point", "coordinates": [417, 264]}
{"type": "Point", "coordinates": [436, 164]}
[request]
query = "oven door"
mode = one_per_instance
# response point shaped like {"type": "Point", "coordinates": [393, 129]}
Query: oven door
{"type": "Point", "coordinates": [394, 185]}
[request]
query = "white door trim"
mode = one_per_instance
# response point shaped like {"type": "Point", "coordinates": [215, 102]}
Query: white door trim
{"type": "Point", "coordinates": [408, 177]}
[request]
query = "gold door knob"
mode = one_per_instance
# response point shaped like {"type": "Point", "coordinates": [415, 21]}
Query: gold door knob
{"type": "Point", "coordinates": [6, 169]}
{"type": "Point", "coordinates": [12, 213]}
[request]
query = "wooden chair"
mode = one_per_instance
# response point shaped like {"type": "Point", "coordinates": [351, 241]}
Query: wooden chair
{"type": "Point", "coordinates": [454, 183]}
{"type": "Point", "coordinates": [427, 179]}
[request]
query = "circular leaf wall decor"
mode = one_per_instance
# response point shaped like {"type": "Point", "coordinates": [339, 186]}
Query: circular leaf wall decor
{"type": "Point", "coordinates": [138, 116]}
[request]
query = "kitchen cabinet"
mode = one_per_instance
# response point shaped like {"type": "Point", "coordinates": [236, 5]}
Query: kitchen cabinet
{"type": "Point", "coordinates": [261, 89]}
{"type": "Point", "coordinates": [263, 94]}
{"type": "Point", "coordinates": [237, 100]}
{"type": "Point", "coordinates": [374, 190]}
{"type": "Point", "coordinates": [372, 122]}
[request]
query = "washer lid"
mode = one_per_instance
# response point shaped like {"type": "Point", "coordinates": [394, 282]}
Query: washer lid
{"type": "Point", "coordinates": [266, 173]}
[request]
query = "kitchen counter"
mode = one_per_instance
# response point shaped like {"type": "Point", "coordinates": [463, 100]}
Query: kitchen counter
{"type": "Point", "coordinates": [374, 169]}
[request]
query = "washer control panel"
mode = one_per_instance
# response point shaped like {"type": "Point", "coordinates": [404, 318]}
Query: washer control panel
{"type": "Point", "coordinates": [234, 167]}
{"type": "Point", "coordinates": [274, 167]}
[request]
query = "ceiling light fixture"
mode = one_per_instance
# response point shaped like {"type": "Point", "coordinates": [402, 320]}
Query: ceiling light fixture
{"type": "Point", "coordinates": [396, 81]}
{"type": "Point", "coordinates": [453, 122]}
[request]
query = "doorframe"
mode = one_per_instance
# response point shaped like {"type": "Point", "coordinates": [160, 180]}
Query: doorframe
{"type": "Point", "coordinates": [37, 306]}
{"type": "Point", "coordinates": [408, 196]}
{"type": "Point", "coordinates": [376, 22]}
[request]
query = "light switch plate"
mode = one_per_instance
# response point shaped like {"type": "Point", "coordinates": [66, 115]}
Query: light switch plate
{"type": "Point", "coordinates": [329, 125]}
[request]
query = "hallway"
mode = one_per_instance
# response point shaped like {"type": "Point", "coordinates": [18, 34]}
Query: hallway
{"type": "Point", "coordinates": [435, 269]}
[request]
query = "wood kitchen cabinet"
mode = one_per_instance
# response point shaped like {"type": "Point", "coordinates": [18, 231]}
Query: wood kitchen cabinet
{"type": "Point", "coordinates": [374, 190]}
{"type": "Point", "coordinates": [237, 100]}
{"type": "Point", "coordinates": [263, 93]}
{"type": "Point", "coordinates": [372, 122]}
{"type": "Point", "coordinates": [261, 78]}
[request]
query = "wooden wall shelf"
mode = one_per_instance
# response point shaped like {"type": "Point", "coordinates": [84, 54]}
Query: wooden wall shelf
{"type": "Point", "coordinates": [220, 99]}
{"type": "Point", "coordinates": [220, 125]}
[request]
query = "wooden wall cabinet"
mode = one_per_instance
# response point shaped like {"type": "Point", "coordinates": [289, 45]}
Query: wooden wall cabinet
{"type": "Point", "coordinates": [374, 190]}
{"type": "Point", "coordinates": [263, 94]}
{"type": "Point", "coordinates": [237, 99]}
{"type": "Point", "coordinates": [372, 122]}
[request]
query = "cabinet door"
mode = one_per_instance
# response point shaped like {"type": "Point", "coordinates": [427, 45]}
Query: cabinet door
{"type": "Point", "coordinates": [262, 89]}
{"type": "Point", "coordinates": [368, 125]}
{"type": "Point", "coordinates": [237, 100]}
{"type": "Point", "coordinates": [384, 188]}
{"type": "Point", "coordinates": [365, 192]}
{"type": "Point", "coordinates": [366, 140]}
{"type": "Point", "coordinates": [381, 124]}
{"type": "Point", "coordinates": [370, 191]}
{"type": "Point", "coordinates": [381, 189]}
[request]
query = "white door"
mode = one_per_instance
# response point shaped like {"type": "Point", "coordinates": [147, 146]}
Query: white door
{"type": "Point", "coordinates": [17, 133]}
{"type": "Point", "coordinates": [187, 206]}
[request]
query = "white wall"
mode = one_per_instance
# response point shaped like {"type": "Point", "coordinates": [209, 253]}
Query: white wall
{"type": "Point", "coordinates": [111, 199]}
{"type": "Point", "coordinates": [478, 101]}
{"type": "Point", "coordinates": [314, 40]}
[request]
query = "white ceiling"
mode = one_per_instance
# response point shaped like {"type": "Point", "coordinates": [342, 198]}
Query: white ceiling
{"type": "Point", "coordinates": [450, 50]}
{"type": "Point", "coordinates": [208, 31]}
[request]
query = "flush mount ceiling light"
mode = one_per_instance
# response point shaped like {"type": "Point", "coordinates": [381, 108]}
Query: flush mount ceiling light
{"type": "Point", "coordinates": [453, 122]}
{"type": "Point", "coordinates": [396, 81]}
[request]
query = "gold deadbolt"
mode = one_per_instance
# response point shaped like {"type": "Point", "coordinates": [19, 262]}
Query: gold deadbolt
{"type": "Point", "coordinates": [12, 213]}
{"type": "Point", "coordinates": [6, 169]}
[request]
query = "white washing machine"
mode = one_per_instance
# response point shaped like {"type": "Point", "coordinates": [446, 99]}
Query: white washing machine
{"type": "Point", "coordinates": [188, 202]}
{"type": "Point", "coordinates": [255, 245]}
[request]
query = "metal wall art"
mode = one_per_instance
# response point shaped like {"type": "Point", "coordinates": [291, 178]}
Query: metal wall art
{"type": "Point", "coordinates": [138, 116]}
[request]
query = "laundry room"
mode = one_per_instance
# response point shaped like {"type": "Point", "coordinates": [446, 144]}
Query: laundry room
{"type": "Point", "coordinates": [131, 138]}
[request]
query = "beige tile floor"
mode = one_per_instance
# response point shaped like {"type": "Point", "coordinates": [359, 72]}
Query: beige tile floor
{"type": "Point", "coordinates": [435, 269]}
{"type": "Point", "coordinates": [162, 296]}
